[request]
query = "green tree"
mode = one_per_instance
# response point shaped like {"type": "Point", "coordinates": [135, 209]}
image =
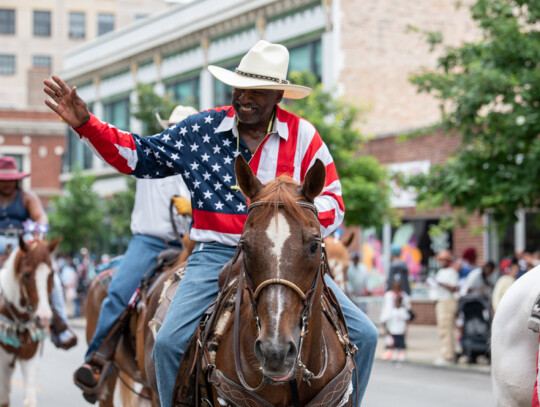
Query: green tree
{"type": "Point", "coordinates": [77, 215]}
{"type": "Point", "coordinates": [489, 92]}
{"type": "Point", "coordinates": [363, 179]}
{"type": "Point", "coordinates": [150, 103]}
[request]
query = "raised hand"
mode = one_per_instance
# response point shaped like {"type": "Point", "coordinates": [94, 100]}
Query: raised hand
{"type": "Point", "coordinates": [68, 105]}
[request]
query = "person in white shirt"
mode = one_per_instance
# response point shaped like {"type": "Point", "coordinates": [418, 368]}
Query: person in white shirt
{"type": "Point", "coordinates": [153, 232]}
{"type": "Point", "coordinates": [395, 313]}
{"type": "Point", "coordinates": [478, 281]}
{"type": "Point", "coordinates": [446, 306]}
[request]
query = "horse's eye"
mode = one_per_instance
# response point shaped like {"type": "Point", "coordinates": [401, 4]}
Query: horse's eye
{"type": "Point", "coordinates": [314, 247]}
{"type": "Point", "coordinates": [26, 275]}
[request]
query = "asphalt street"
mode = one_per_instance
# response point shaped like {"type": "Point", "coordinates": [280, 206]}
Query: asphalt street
{"type": "Point", "coordinates": [406, 384]}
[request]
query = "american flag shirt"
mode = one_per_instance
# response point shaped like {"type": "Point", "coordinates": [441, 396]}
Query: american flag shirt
{"type": "Point", "coordinates": [202, 148]}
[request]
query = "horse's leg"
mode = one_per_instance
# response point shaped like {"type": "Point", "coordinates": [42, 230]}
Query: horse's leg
{"type": "Point", "coordinates": [5, 376]}
{"type": "Point", "coordinates": [106, 398]}
{"type": "Point", "coordinates": [29, 369]}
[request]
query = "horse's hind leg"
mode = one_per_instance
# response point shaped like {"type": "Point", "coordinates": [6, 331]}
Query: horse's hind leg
{"type": "Point", "coordinates": [5, 377]}
{"type": "Point", "coordinates": [29, 370]}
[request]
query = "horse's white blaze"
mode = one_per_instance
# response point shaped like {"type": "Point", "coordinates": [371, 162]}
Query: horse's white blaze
{"type": "Point", "coordinates": [278, 231]}
{"type": "Point", "coordinates": [43, 311]}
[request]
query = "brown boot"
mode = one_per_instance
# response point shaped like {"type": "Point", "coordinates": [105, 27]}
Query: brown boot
{"type": "Point", "coordinates": [87, 378]}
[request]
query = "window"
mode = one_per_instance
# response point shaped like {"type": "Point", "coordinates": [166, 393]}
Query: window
{"type": "Point", "coordinates": [42, 23]}
{"type": "Point", "coordinates": [77, 27]}
{"type": "Point", "coordinates": [7, 64]}
{"type": "Point", "coordinates": [186, 92]}
{"type": "Point", "coordinates": [117, 113]}
{"type": "Point", "coordinates": [77, 154]}
{"type": "Point", "coordinates": [222, 92]}
{"type": "Point", "coordinates": [7, 21]}
{"type": "Point", "coordinates": [105, 23]}
{"type": "Point", "coordinates": [41, 61]}
{"type": "Point", "coordinates": [307, 57]}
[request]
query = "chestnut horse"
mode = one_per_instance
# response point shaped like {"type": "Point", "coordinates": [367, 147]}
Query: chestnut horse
{"type": "Point", "coordinates": [282, 348]}
{"type": "Point", "coordinates": [132, 363]}
{"type": "Point", "coordinates": [26, 280]}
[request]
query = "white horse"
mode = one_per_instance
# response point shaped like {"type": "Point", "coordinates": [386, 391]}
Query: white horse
{"type": "Point", "coordinates": [25, 285]}
{"type": "Point", "coordinates": [513, 346]}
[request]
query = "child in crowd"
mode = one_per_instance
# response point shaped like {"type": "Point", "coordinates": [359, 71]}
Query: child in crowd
{"type": "Point", "coordinates": [394, 316]}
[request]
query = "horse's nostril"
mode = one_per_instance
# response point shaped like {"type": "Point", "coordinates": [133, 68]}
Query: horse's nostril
{"type": "Point", "coordinates": [291, 353]}
{"type": "Point", "coordinates": [258, 349]}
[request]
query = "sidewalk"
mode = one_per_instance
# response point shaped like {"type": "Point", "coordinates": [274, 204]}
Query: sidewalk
{"type": "Point", "coordinates": [423, 348]}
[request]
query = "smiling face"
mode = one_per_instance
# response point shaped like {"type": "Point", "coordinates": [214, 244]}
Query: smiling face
{"type": "Point", "coordinates": [255, 106]}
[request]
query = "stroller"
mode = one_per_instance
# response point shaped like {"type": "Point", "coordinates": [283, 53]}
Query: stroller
{"type": "Point", "coordinates": [475, 314]}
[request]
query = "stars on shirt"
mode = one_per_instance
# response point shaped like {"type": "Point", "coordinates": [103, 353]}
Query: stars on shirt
{"type": "Point", "coordinates": [206, 159]}
{"type": "Point", "coordinates": [208, 194]}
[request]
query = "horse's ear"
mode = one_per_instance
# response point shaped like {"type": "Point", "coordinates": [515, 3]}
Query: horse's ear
{"type": "Point", "coordinates": [248, 182]}
{"type": "Point", "coordinates": [53, 245]}
{"type": "Point", "coordinates": [22, 244]}
{"type": "Point", "coordinates": [314, 181]}
{"type": "Point", "coordinates": [349, 240]}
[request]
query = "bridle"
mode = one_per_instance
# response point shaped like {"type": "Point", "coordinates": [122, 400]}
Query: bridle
{"type": "Point", "coordinates": [307, 299]}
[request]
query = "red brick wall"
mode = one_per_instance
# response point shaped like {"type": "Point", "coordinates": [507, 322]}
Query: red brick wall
{"type": "Point", "coordinates": [45, 167]}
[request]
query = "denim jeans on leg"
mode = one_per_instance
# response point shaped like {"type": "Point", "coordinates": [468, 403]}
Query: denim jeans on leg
{"type": "Point", "coordinates": [362, 333]}
{"type": "Point", "coordinates": [197, 290]}
{"type": "Point", "coordinates": [138, 259]}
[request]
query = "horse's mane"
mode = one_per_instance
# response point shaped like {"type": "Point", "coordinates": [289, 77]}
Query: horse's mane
{"type": "Point", "coordinates": [282, 192]}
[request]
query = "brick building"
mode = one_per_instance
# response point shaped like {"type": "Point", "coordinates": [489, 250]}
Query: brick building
{"type": "Point", "coordinates": [34, 35]}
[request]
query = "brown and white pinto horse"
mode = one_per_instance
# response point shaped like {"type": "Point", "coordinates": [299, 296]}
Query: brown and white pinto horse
{"type": "Point", "coordinates": [279, 333]}
{"type": "Point", "coordinates": [26, 280]}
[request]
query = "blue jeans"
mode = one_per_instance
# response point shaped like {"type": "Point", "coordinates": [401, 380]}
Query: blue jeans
{"type": "Point", "coordinates": [196, 292]}
{"type": "Point", "coordinates": [138, 259]}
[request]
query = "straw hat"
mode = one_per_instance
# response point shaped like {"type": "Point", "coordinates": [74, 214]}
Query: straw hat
{"type": "Point", "coordinates": [8, 170]}
{"type": "Point", "coordinates": [263, 67]}
{"type": "Point", "coordinates": [178, 114]}
{"type": "Point", "coordinates": [444, 255]}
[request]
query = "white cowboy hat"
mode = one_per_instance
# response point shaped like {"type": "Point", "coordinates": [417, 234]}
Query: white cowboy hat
{"type": "Point", "coordinates": [263, 67]}
{"type": "Point", "coordinates": [178, 114]}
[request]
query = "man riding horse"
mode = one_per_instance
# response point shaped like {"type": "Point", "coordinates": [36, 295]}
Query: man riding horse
{"type": "Point", "coordinates": [202, 148]}
{"type": "Point", "coordinates": [22, 213]}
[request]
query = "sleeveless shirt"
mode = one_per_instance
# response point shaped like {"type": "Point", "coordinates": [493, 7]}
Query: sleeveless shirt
{"type": "Point", "coordinates": [14, 214]}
